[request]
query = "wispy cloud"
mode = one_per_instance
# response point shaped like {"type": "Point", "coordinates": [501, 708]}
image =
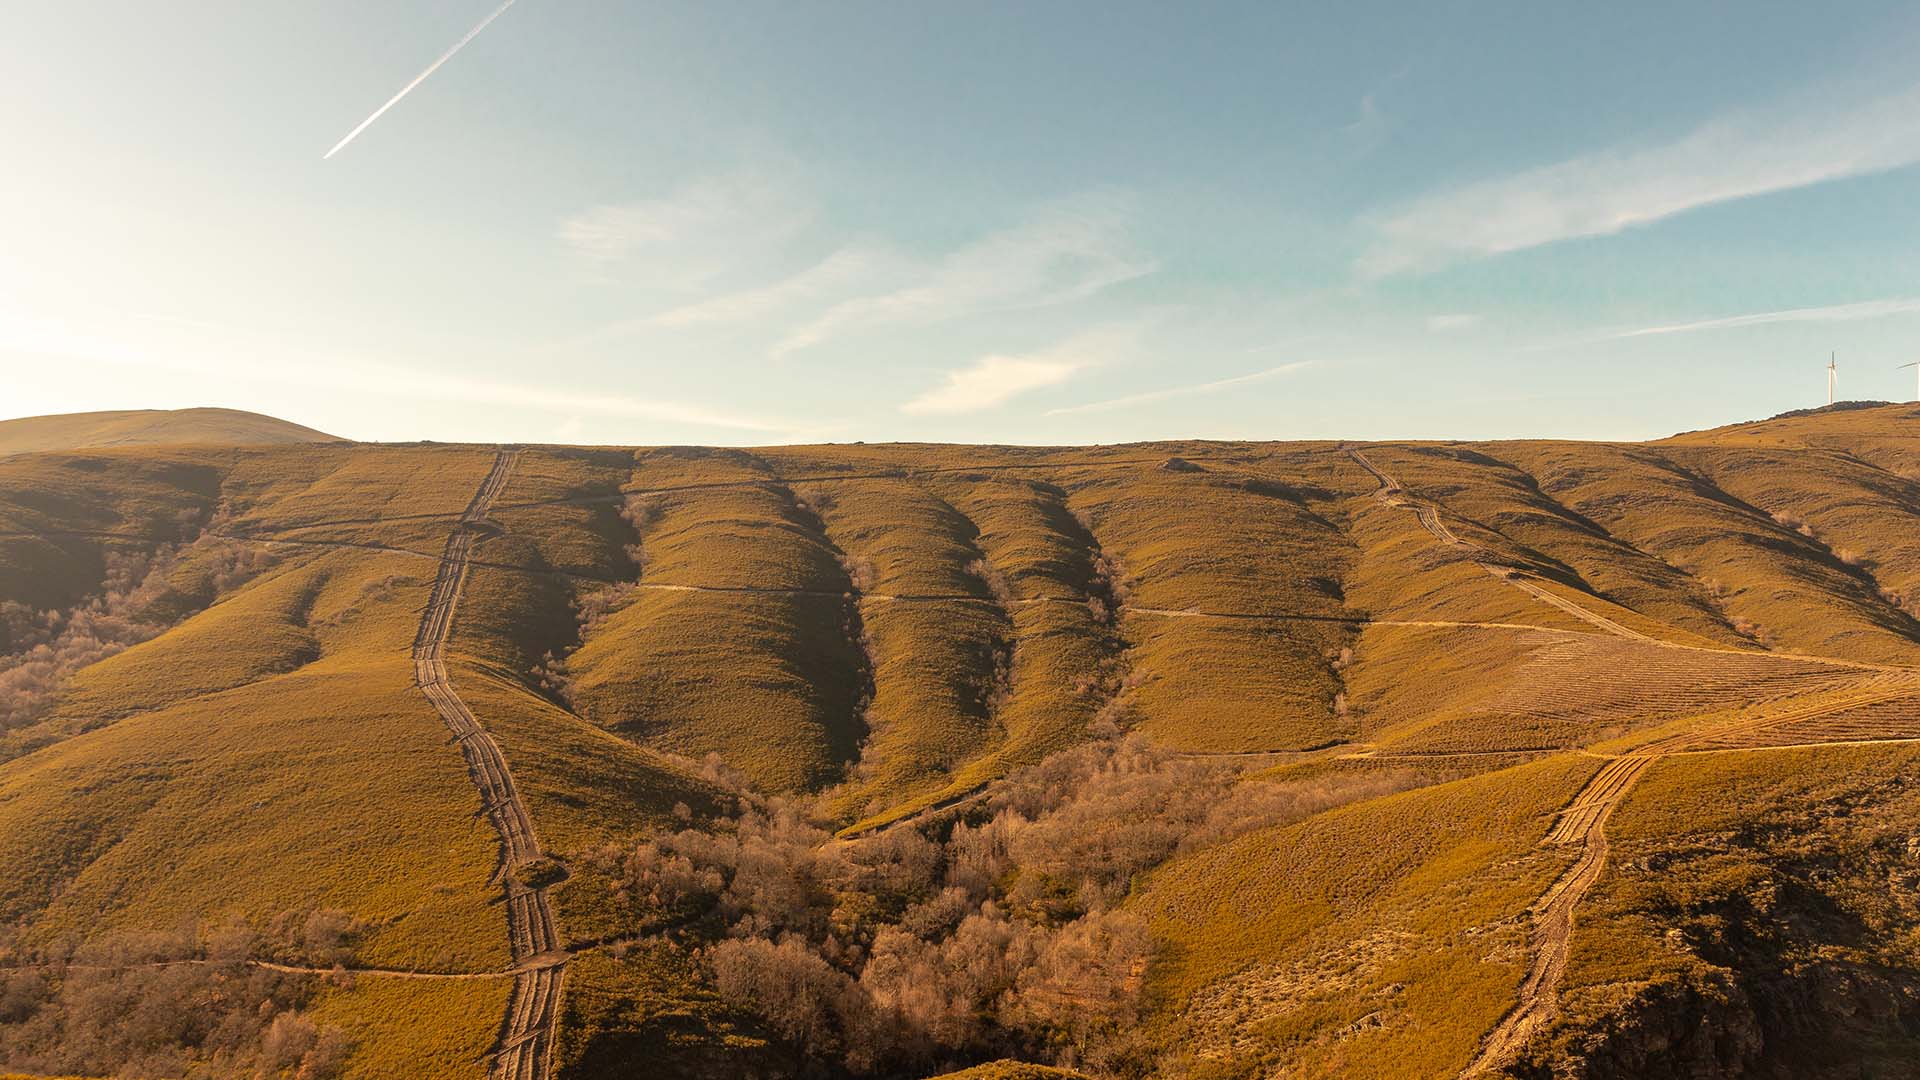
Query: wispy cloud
{"type": "Point", "coordinates": [990, 381]}
{"type": "Point", "coordinates": [844, 269]}
{"type": "Point", "coordinates": [1180, 391]}
{"type": "Point", "coordinates": [1068, 251]}
{"type": "Point", "coordinates": [695, 233]}
{"type": "Point", "coordinates": [1869, 309]}
{"type": "Point", "coordinates": [1449, 323]}
{"type": "Point", "coordinates": [1370, 125]}
{"type": "Point", "coordinates": [994, 380]}
{"type": "Point", "coordinates": [1733, 157]}
{"type": "Point", "coordinates": [417, 80]}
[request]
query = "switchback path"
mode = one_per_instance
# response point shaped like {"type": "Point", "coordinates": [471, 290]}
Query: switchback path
{"type": "Point", "coordinates": [1392, 493]}
{"type": "Point", "coordinates": [525, 1049]}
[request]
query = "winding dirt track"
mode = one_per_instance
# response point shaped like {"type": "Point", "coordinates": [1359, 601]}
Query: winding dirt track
{"type": "Point", "coordinates": [1584, 820]}
{"type": "Point", "coordinates": [1392, 493]}
{"type": "Point", "coordinates": [525, 1049]}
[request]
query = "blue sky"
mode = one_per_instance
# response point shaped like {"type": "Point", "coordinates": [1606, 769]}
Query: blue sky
{"type": "Point", "coordinates": [743, 223]}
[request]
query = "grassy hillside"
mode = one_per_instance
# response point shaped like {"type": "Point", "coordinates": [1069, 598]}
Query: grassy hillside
{"type": "Point", "coordinates": [1198, 760]}
{"type": "Point", "coordinates": [144, 427]}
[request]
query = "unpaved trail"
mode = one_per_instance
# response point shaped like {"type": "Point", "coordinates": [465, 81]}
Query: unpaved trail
{"type": "Point", "coordinates": [525, 1049]}
{"type": "Point", "coordinates": [1392, 493]}
{"type": "Point", "coordinates": [1584, 821]}
{"type": "Point", "coordinates": [301, 969]}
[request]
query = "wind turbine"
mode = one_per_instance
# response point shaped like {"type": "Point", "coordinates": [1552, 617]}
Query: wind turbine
{"type": "Point", "coordinates": [1833, 373]}
{"type": "Point", "coordinates": [1916, 378]}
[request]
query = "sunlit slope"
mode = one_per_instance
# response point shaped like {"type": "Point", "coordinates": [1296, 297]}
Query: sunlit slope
{"type": "Point", "coordinates": [740, 637]}
{"type": "Point", "coordinates": [1376, 940]}
{"type": "Point", "coordinates": [1422, 689]}
{"type": "Point", "coordinates": [1496, 504]}
{"type": "Point", "coordinates": [1877, 432]}
{"type": "Point", "coordinates": [1759, 920]}
{"type": "Point", "coordinates": [60, 514]}
{"type": "Point", "coordinates": [894, 628]}
{"type": "Point", "coordinates": [261, 762]}
{"type": "Point", "coordinates": [1773, 584]}
{"type": "Point", "coordinates": [139, 427]}
{"type": "Point", "coordinates": [1232, 596]}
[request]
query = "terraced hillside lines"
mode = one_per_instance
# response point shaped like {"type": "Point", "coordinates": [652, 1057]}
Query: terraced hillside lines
{"type": "Point", "coordinates": [1393, 494]}
{"type": "Point", "coordinates": [1584, 822]}
{"type": "Point", "coordinates": [525, 1051]}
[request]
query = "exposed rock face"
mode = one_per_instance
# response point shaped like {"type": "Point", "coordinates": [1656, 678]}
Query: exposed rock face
{"type": "Point", "coordinates": [1819, 1021]}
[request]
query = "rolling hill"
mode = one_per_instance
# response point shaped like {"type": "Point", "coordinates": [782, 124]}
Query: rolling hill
{"type": "Point", "coordinates": [142, 427]}
{"type": "Point", "coordinates": [1198, 759]}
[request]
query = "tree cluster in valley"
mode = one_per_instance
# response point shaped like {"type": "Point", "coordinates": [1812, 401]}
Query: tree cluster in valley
{"type": "Point", "coordinates": [141, 595]}
{"type": "Point", "coordinates": [1002, 933]}
{"type": "Point", "coordinates": [183, 1003]}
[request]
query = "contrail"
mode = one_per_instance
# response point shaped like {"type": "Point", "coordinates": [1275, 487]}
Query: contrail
{"type": "Point", "coordinates": [418, 79]}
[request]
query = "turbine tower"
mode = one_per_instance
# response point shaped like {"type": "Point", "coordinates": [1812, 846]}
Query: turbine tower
{"type": "Point", "coordinates": [1833, 373]}
{"type": "Point", "coordinates": [1916, 378]}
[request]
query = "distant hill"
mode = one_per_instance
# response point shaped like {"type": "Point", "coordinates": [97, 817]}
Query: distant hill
{"type": "Point", "coordinates": [141, 427]}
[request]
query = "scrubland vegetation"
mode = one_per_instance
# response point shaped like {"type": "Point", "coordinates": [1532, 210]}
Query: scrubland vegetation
{"type": "Point", "coordinates": [166, 1004]}
{"type": "Point", "coordinates": [998, 930]}
{"type": "Point", "coordinates": [142, 594]}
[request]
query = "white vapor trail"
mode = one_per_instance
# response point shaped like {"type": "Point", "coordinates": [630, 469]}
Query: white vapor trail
{"type": "Point", "coordinates": [418, 79]}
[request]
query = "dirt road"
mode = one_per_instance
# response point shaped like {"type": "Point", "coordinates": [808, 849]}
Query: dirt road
{"type": "Point", "coordinates": [525, 1049]}
{"type": "Point", "coordinates": [1392, 493]}
{"type": "Point", "coordinates": [1584, 822]}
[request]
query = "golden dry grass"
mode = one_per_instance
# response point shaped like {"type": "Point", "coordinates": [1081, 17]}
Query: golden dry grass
{"type": "Point", "coordinates": [1373, 940]}
{"type": "Point", "coordinates": [1012, 1070]}
{"type": "Point", "coordinates": [140, 427]}
{"type": "Point", "coordinates": [415, 1028]}
{"type": "Point", "coordinates": [1747, 888]}
{"type": "Point", "coordinates": [998, 604]}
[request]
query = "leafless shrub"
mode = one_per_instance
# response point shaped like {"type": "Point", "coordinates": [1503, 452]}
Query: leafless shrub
{"type": "Point", "coordinates": [328, 936]}
{"type": "Point", "coordinates": [801, 996]}
{"type": "Point", "coordinates": [1101, 611]}
{"type": "Point", "coordinates": [1109, 580]}
{"type": "Point", "coordinates": [1005, 935]}
{"type": "Point", "coordinates": [551, 677]}
{"type": "Point", "coordinates": [145, 1005]}
{"type": "Point", "coordinates": [860, 573]}
{"type": "Point", "coordinates": [45, 648]}
{"type": "Point", "coordinates": [990, 577]}
{"type": "Point", "coordinates": [593, 609]}
{"type": "Point", "coordinates": [641, 513]}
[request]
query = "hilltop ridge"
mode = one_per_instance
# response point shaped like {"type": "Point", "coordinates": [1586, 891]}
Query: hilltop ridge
{"type": "Point", "coordinates": [146, 427]}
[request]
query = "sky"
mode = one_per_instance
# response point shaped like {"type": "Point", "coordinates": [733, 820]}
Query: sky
{"type": "Point", "coordinates": [622, 222]}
